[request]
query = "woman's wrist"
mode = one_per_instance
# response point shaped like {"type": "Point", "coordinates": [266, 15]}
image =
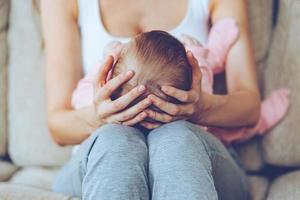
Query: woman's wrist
{"type": "Point", "coordinates": [231, 110]}
{"type": "Point", "coordinates": [204, 108]}
{"type": "Point", "coordinates": [92, 121]}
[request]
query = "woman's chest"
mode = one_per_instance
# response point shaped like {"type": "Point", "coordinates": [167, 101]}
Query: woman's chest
{"type": "Point", "coordinates": [102, 21]}
{"type": "Point", "coordinates": [130, 17]}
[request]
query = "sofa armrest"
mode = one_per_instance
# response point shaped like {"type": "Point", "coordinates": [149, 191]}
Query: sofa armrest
{"type": "Point", "coordinates": [281, 145]}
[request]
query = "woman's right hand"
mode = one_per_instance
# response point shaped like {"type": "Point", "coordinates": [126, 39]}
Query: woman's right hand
{"type": "Point", "coordinates": [108, 111]}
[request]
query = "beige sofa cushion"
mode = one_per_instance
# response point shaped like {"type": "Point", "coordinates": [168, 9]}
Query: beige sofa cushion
{"type": "Point", "coordinates": [17, 192]}
{"type": "Point", "coordinates": [286, 187]}
{"type": "Point", "coordinates": [6, 170]}
{"type": "Point", "coordinates": [29, 140]}
{"type": "Point", "coordinates": [260, 15]}
{"type": "Point", "coordinates": [258, 187]}
{"type": "Point", "coordinates": [4, 11]}
{"type": "Point", "coordinates": [281, 146]}
{"type": "Point", "coordinates": [250, 155]}
{"type": "Point", "coordinates": [36, 177]}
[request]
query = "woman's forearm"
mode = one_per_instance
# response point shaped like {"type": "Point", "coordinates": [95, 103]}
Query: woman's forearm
{"type": "Point", "coordinates": [69, 127]}
{"type": "Point", "coordinates": [241, 108]}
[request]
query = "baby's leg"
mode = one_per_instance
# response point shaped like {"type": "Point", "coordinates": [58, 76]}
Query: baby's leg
{"type": "Point", "coordinates": [273, 109]}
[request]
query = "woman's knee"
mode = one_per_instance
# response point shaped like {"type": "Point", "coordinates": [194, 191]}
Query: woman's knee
{"type": "Point", "coordinates": [176, 141]}
{"type": "Point", "coordinates": [118, 141]}
{"type": "Point", "coordinates": [179, 132]}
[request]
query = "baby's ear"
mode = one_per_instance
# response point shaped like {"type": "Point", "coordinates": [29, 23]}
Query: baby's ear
{"type": "Point", "coordinates": [114, 49]}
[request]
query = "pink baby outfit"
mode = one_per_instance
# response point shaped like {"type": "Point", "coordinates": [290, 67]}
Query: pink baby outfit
{"type": "Point", "coordinates": [221, 38]}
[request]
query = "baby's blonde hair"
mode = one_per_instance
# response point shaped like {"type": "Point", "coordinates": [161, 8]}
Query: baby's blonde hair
{"type": "Point", "coordinates": [158, 59]}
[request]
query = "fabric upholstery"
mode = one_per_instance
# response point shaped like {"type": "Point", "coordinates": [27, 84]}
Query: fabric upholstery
{"type": "Point", "coordinates": [29, 139]}
{"type": "Point", "coordinates": [281, 146]}
{"type": "Point", "coordinates": [6, 170]}
{"type": "Point", "coordinates": [17, 192]}
{"type": "Point", "coordinates": [258, 187]}
{"type": "Point", "coordinates": [286, 187]}
{"type": "Point", "coordinates": [250, 155]}
{"type": "Point", "coordinates": [4, 11]}
{"type": "Point", "coordinates": [36, 177]}
{"type": "Point", "coordinates": [260, 16]}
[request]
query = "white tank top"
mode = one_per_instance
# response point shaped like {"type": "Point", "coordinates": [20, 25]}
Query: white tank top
{"type": "Point", "coordinates": [94, 35]}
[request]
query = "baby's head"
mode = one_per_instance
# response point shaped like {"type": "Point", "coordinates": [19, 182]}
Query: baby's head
{"type": "Point", "coordinates": [158, 59]}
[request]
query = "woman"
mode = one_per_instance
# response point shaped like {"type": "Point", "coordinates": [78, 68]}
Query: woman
{"type": "Point", "coordinates": [176, 160]}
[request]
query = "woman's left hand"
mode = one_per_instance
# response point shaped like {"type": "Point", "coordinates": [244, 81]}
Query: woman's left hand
{"type": "Point", "coordinates": [192, 101]}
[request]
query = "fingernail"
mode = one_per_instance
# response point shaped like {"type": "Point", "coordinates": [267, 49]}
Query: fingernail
{"type": "Point", "coordinates": [143, 114]}
{"type": "Point", "coordinates": [164, 88]}
{"type": "Point", "coordinates": [141, 88]}
{"type": "Point", "coordinates": [129, 73]}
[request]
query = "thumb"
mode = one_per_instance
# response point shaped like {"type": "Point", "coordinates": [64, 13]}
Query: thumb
{"type": "Point", "coordinates": [196, 73]}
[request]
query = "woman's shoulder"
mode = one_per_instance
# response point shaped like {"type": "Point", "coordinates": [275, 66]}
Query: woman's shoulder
{"type": "Point", "coordinates": [70, 8]}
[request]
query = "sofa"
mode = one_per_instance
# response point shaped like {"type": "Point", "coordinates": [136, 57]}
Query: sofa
{"type": "Point", "coordinates": [30, 160]}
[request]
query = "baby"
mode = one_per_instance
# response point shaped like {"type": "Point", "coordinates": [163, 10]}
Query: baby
{"type": "Point", "coordinates": [160, 59]}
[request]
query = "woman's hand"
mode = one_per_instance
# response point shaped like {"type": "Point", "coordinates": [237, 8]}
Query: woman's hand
{"type": "Point", "coordinates": [116, 111]}
{"type": "Point", "coordinates": [193, 101]}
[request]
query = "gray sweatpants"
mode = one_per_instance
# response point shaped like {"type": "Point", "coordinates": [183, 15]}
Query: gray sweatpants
{"type": "Point", "coordinates": [177, 161]}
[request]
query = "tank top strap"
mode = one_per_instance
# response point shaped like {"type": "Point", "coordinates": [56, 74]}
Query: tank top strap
{"type": "Point", "coordinates": [199, 8]}
{"type": "Point", "coordinates": [88, 9]}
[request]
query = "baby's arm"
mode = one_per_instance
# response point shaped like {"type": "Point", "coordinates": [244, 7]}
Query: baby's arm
{"type": "Point", "coordinates": [212, 57]}
{"type": "Point", "coordinates": [221, 38]}
{"type": "Point", "coordinates": [84, 93]}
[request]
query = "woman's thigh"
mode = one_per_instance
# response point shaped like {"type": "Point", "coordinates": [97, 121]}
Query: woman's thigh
{"type": "Point", "coordinates": [110, 140]}
{"type": "Point", "coordinates": [187, 145]}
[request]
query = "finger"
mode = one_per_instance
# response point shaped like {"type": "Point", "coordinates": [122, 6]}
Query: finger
{"type": "Point", "coordinates": [165, 106]}
{"type": "Point", "coordinates": [181, 95]}
{"type": "Point", "coordinates": [160, 117]}
{"type": "Point", "coordinates": [196, 75]}
{"type": "Point", "coordinates": [150, 125]}
{"type": "Point", "coordinates": [133, 111]}
{"type": "Point", "coordinates": [100, 78]}
{"type": "Point", "coordinates": [126, 99]}
{"type": "Point", "coordinates": [137, 119]}
{"type": "Point", "coordinates": [112, 85]}
{"type": "Point", "coordinates": [172, 109]}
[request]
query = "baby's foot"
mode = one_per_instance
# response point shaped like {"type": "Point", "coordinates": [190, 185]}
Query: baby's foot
{"type": "Point", "coordinates": [273, 109]}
